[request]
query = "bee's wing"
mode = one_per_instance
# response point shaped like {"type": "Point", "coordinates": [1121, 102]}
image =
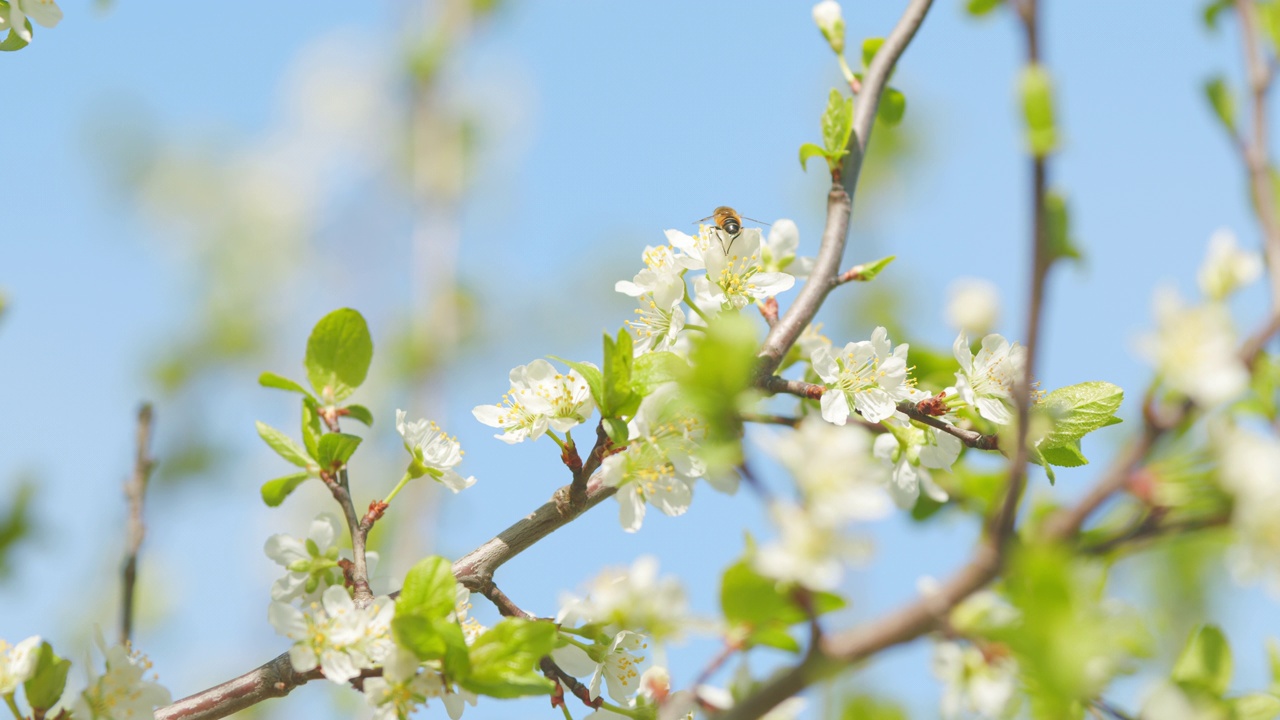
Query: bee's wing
{"type": "Point", "coordinates": [744, 217]}
{"type": "Point", "coordinates": [695, 222]}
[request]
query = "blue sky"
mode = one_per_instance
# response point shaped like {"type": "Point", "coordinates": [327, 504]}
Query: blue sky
{"type": "Point", "coordinates": [601, 125]}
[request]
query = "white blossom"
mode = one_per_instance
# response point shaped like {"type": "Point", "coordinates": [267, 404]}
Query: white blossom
{"type": "Point", "coordinates": [834, 469]}
{"type": "Point", "coordinates": [1227, 267]}
{"type": "Point", "coordinates": [632, 597]}
{"type": "Point", "coordinates": [540, 398]}
{"type": "Point", "coordinates": [616, 666]}
{"type": "Point", "coordinates": [656, 327]}
{"type": "Point", "coordinates": [972, 683]}
{"type": "Point", "coordinates": [335, 635]}
{"type": "Point", "coordinates": [18, 663]}
{"type": "Point", "coordinates": [868, 376]}
{"type": "Point", "coordinates": [737, 278]}
{"type": "Point", "coordinates": [830, 21]}
{"type": "Point", "coordinates": [973, 306]}
{"type": "Point", "coordinates": [808, 550]}
{"type": "Point", "coordinates": [434, 453]}
{"type": "Point", "coordinates": [311, 565]}
{"type": "Point", "coordinates": [1250, 471]}
{"type": "Point", "coordinates": [910, 450]}
{"type": "Point", "coordinates": [44, 12]}
{"type": "Point", "coordinates": [778, 253]}
{"type": "Point", "coordinates": [121, 693]}
{"type": "Point", "coordinates": [986, 380]}
{"type": "Point", "coordinates": [662, 277]}
{"type": "Point", "coordinates": [1194, 350]}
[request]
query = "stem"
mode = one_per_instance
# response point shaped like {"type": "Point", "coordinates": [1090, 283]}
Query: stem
{"type": "Point", "coordinates": [1255, 149]}
{"type": "Point", "coordinates": [135, 490]}
{"type": "Point", "coordinates": [13, 705]}
{"type": "Point", "coordinates": [854, 86]}
{"type": "Point", "coordinates": [399, 486]}
{"type": "Point", "coordinates": [694, 306]}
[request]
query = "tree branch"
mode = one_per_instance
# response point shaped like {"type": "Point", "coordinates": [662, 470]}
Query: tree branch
{"type": "Point", "coordinates": [1255, 148]}
{"type": "Point", "coordinates": [823, 278]}
{"type": "Point", "coordinates": [135, 490]}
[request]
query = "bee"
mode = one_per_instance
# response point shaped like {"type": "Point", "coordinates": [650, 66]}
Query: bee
{"type": "Point", "coordinates": [727, 220]}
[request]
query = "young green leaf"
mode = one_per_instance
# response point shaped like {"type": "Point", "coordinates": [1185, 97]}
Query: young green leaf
{"type": "Point", "coordinates": [1037, 108]}
{"type": "Point", "coordinates": [617, 431]}
{"type": "Point", "coordinates": [870, 47]}
{"type": "Point", "coordinates": [336, 449]}
{"type": "Point", "coordinates": [655, 368]}
{"type": "Point", "coordinates": [45, 686]}
{"type": "Point", "coordinates": [1058, 228]}
{"type": "Point", "coordinates": [338, 354]}
{"type": "Point", "coordinates": [893, 105]}
{"type": "Point", "coordinates": [977, 8]}
{"type": "Point", "coordinates": [275, 491]}
{"type": "Point", "coordinates": [618, 361]}
{"type": "Point", "coordinates": [750, 600]}
{"type": "Point", "coordinates": [1068, 455]}
{"type": "Point", "coordinates": [311, 430]}
{"type": "Point", "coordinates": [504, 660]}
{"type": "Point", "coordinates": [868, 271]}
{"type": "Point", "coordinates": [284, 446]}
{"type": "Point", "coordinates": [360, 413]}
{"type": "Point", "coordinates": [1205, 663]}
{"type": "Point", "coordinates": [1077, 410]}
{"type": "Point", "coordinates": [14, 41]}
{"type": "Point", "coordinates": [809, 150]}
{"type": "Point", "coordinates": [837, 125]}
{"type": "Point", "coordinates": [279, 382]}
{"type": "Point", "coordinates": [1255, 706]}
{"type": "Point", "coordinates": [429, 588]}
{"type": "Point", "coordinates": [433, 639]}
{"type": "Point", "coordinates": [1223, 102]}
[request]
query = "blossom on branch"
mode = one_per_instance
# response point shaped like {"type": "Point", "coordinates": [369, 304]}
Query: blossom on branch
{"type": "Point", "coordinates": [974, 683]}
{"type": "Point", "coordinates": [615, 665]}
{"type": "Point", "coordinates": [14, 17]}
{"type": "Point", "coordinates": [1194, 350]}
{"type": "Point", "coordinates": [834, 470]}
{"type": "Point", "coordinates": [311, 564]}
{"type": "Point", "coordinates": [434, 453]}
{"type": "Point", "coordinates": [540, 398]}
{"type": "Point", "coordinates": [973, 306]}
{"type": "Point", "coordinates": [120, 693]}
{"type": "Point", "coordinates": [868, 376]}
{"type": "Point", "coordinates": [630, 598]}
{"type": "Point", "coordinates": [18, 663]}
{"type": "Point", "coordinates": [335, 635]}
{"type": "Point", "coordinates": [987, 380]}
{"type": "Point", "coordinates": [1227, 267]}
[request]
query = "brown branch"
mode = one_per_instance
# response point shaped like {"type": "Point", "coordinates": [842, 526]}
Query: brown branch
{"type": "Point", "coordinates": [822, 279]}
{"type": "Point", "coordinates": [1255, 149]}
{"type": "Point", "coordinates": [135, 491]}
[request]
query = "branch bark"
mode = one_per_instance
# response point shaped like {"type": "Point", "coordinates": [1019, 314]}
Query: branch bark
{"type": "Point", "coordinates": [135, 490]}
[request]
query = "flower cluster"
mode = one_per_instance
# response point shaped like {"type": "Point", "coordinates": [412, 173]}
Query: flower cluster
{"type": "Point", "coordinates": [311, 565]}
{"type": "Point", "coordinates": [739, 270]}
{"type": "Point", "coordinates": [335, 635]}
{"type": "Point", "coordinates": [540, 398]}
{"type": "Point", "coordinates": [121, 693]}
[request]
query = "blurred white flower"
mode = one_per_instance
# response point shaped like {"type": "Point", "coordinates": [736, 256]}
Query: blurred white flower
{"type": "Point", "coordinates": [44, 12]}
{"type": "Point", "coordinates": [868, 376]}
{"type": "Point", "coordinates": [808, 551]}
{"type": "Point", "coordinates": [830, 21]}
{"type": "Point", "coordinates": [972, 683]}
{"type": "Point", "coordinates": [778, 253]}
{"type": "Point", "coordinates": [311, 564]}
{"type": "Point", "coordinates": [631, 598]}
{"type": "Point", "coordinates": [120, 693]}
{"type": "Point", "coordinates": [434, 453]}
{"type": "Point", "coordinates": [973, 306]}
{"type": "Point", "coordinates": [1194, 350]}
{"type": "Point", "coordinates": [18, 663]}
{"type": "Point", "coordinates": [1250, 470]}
{"type": "Point", "coordinates": [834, 469]}
{"type": "Point", "coordinates": [909, 451]}
{"type": "Point", "coordinates": [986, 380]}
{"type": "Point", "coordinates": [1226, 267]}
{"type": "Point", "coordinates": [335, 635]}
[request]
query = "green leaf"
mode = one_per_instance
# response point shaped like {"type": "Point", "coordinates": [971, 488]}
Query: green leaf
{"type": "Point", "coordinates": [284, 446]}
{"type": "Point", "coordinates": [275, 491]}
{"type": "Point", "coordinates": [1223, 102]}
{"type": "Point", "coordinates": [336, 449]}
{"type": "Point", "coordinates": [279, 382]}
{"type": "Point", "coordinates": [1058, 228]}
{"type": "Point", "coordinates": [868, 271]}
{"type": "Point", "coordinates": [433, 639]}
{"type": "Point", "coordinates": [1077, 410]}
{"type": "Point", "coordinates": [13, 41]}
{"type": "Point", "coordinates": [618, 361]}
{"type": "Point", "coordinates": [429, 589]}
{"type": "Point", "coordinates": [1068, 455]}
{"type": "Point", "coordinates": [870, 47]}
{"type": "Point", "coordinates": [655, 368]}
{"type": "Point", "coordinates": [617, 431]}
{"type": "Point", "coordinates": [837, 125]}
{"type": "Point", "coordinates": [1269, 13]}
{"type": "Point", "coordinates": [504, 660]}
{"type": "Point", "coordinates": [311, 430]}
{"type": "Point", "coordinates": [978, 8]}
{"type": "Point", "coordinates": [1212, 11]}
{"type": "Point", "coordinates": [45, 686]}
{"type": "Point", "coordinates": [360, 413]}
{"type": "Point", "coordinates": [1205, 663]}
{"type": "Point", "coordinates": [1256, 706]}
{"type": "Point", "coordinates": [774, 636]}
{"type": "Point", "coordinates": [809, 150]}
{"type": "Point", "coordinates": [1036, 89]}
{"type": "Point", "coordinates": [1273, 661]}
{"type": "Point", "coordinates": [338, 354]}
{"type": "Point", "coordinates": [893, 105]}
{"type": "Point", "coordinates": [590, 373]}
{"type": "Point", "coordinates": [766, 607]}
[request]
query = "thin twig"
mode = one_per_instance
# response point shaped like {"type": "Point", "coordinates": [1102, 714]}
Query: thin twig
{"type": "Point", "coordinates": [135, 490]}
{"type": "Point", "coordinates": [1255, 149]}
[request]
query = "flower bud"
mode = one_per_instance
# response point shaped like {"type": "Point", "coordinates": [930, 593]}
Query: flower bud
{"type": "Point", "coordinates": [827, 15]}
